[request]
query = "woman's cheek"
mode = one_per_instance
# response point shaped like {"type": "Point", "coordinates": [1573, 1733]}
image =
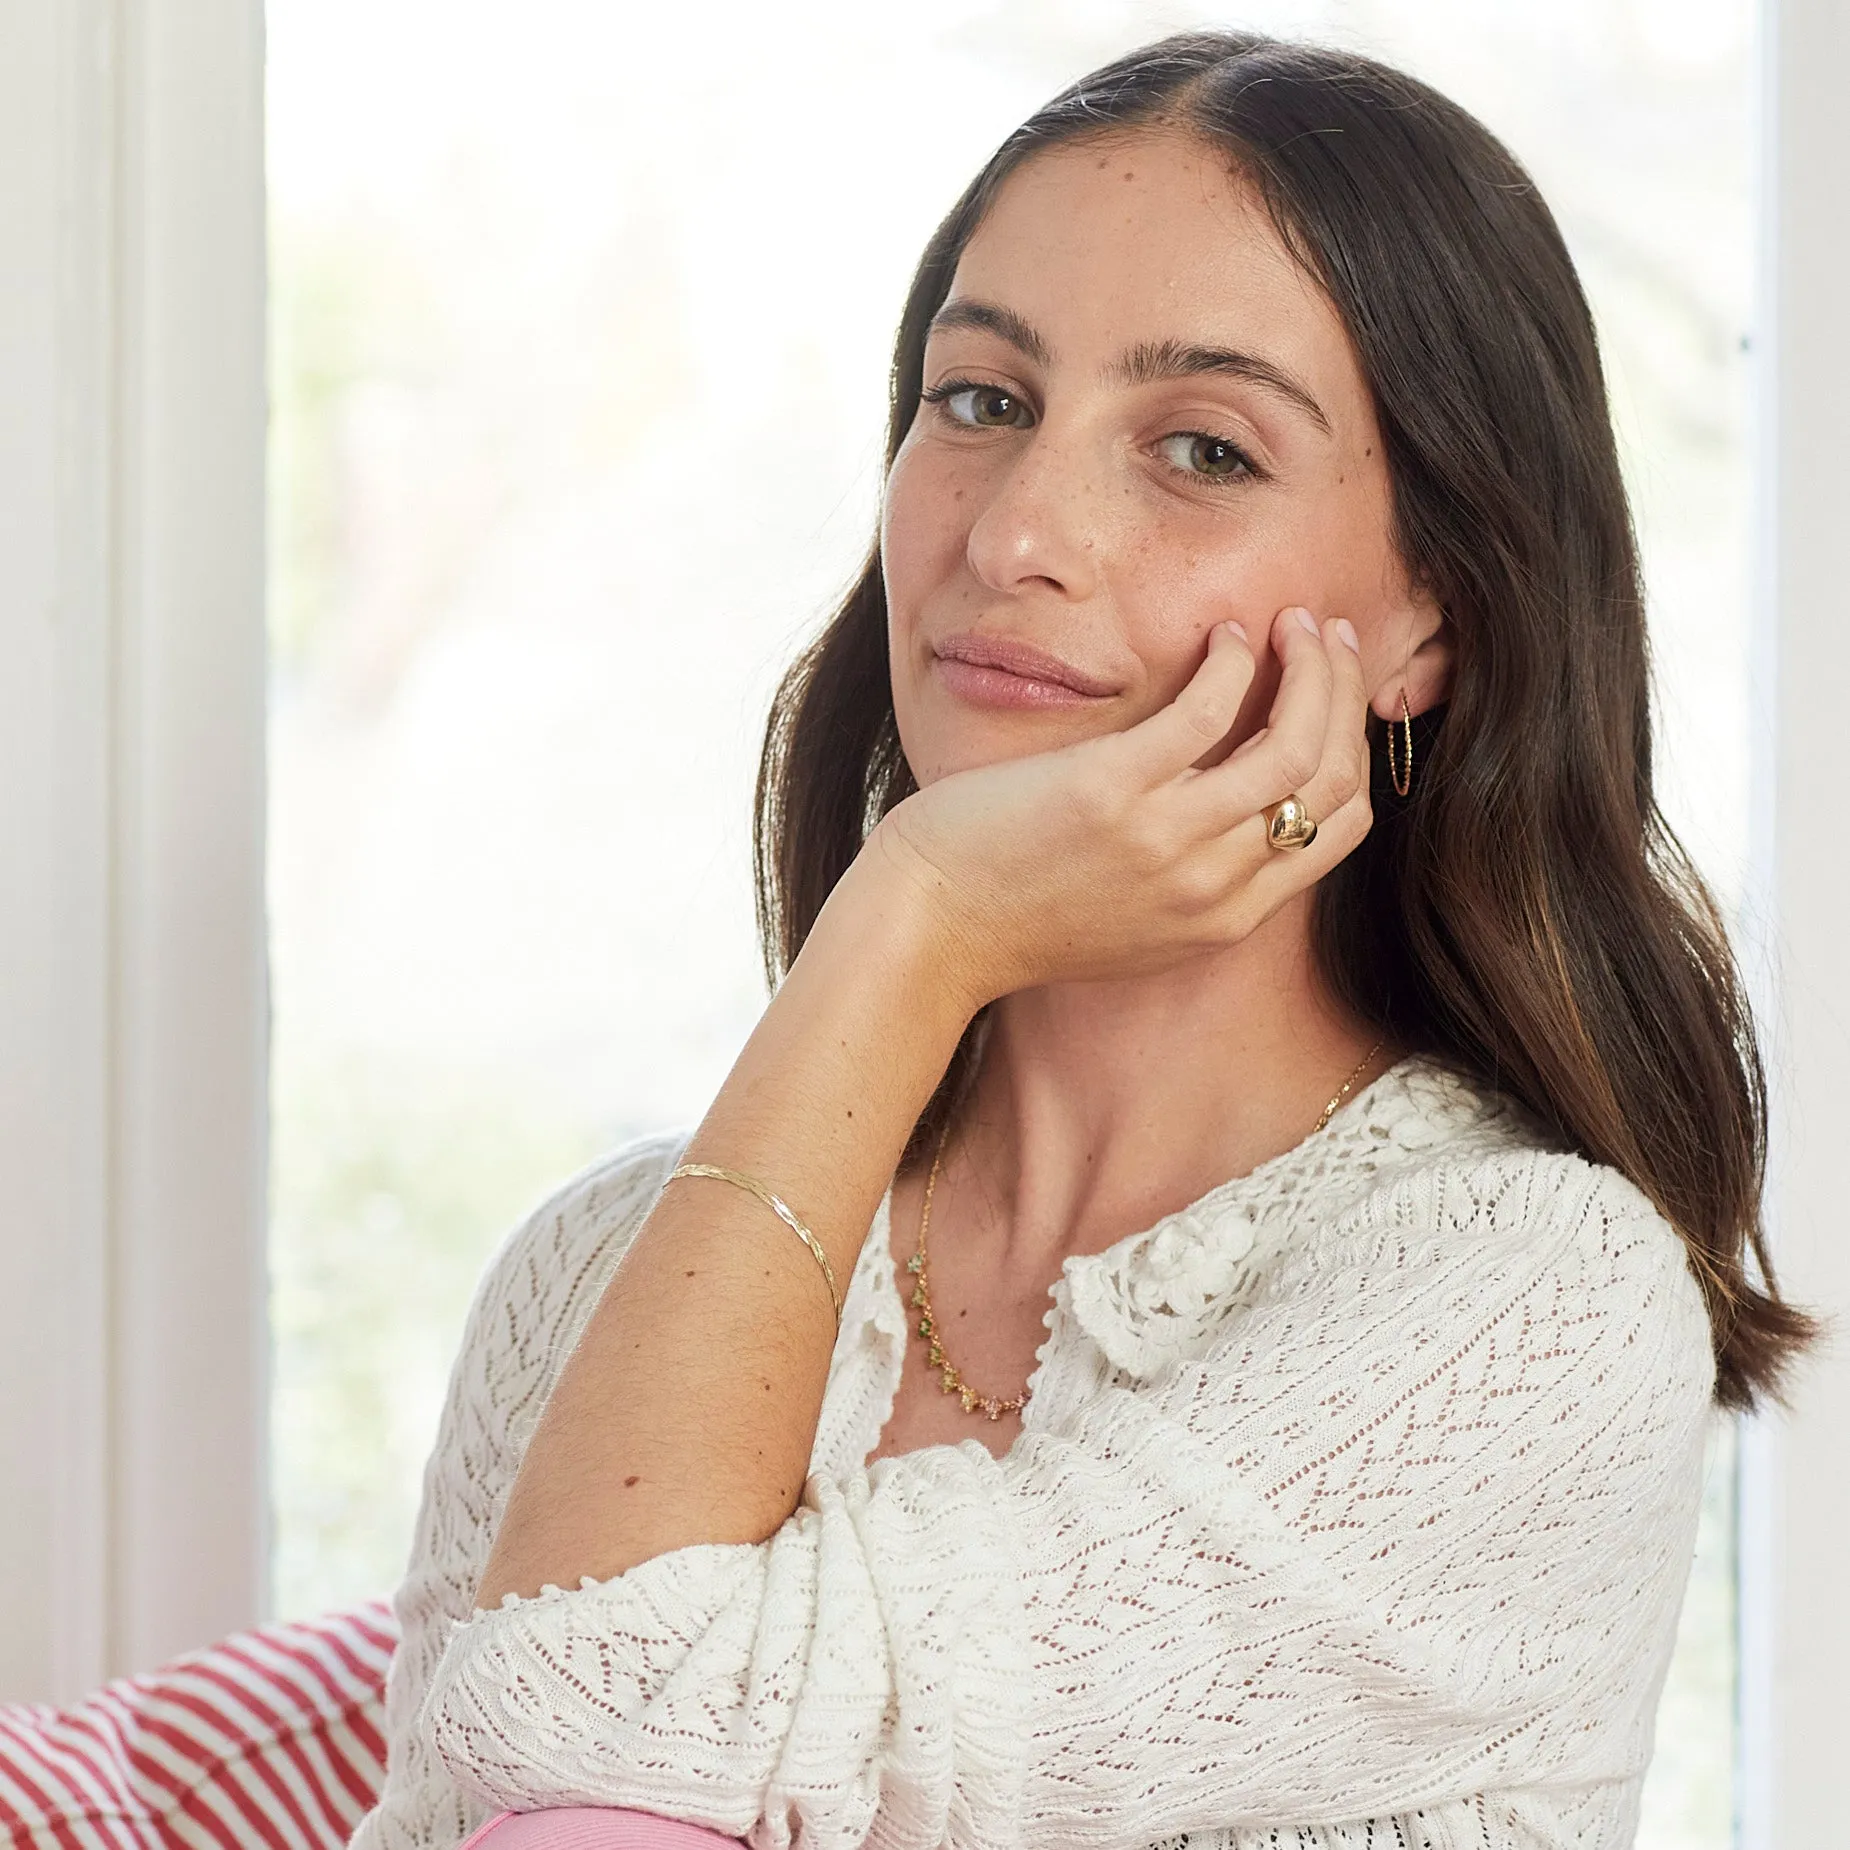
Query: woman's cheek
{"type": "Point", "coordinates": [922, 533]}
{"type": "Point", "coordinates": [1182, 591]}
{"type": "Point", "coordinates": [896, 525]}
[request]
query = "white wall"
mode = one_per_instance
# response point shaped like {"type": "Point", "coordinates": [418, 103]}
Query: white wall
{"type": "Point", "coordinates": [131, 829]}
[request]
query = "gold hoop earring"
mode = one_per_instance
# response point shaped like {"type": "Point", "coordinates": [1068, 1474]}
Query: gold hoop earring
{"type": "Point", "coordinates": [1401, 772]}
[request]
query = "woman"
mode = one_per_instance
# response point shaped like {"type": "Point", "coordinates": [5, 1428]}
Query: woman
{"type": "Point", "coordinates": [1195, 1313]}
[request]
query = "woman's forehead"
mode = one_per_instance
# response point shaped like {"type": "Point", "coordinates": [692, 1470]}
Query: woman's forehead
{"type": "Point", "coordinates": [1111, 242]}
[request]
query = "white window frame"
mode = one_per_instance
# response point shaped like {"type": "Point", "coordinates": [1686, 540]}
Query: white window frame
{"type": "Point", "coordinates": [132, 989]}
{"type": "Point", "coordinates": [1795, 1480]}
{"type": "Point", "coordinates": [133, 1375]}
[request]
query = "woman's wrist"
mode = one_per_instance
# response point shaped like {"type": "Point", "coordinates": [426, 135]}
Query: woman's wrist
{"type": "Point", "coordinates": [888, 918]}
{"type": "Point", "coordinates": [893, 911]}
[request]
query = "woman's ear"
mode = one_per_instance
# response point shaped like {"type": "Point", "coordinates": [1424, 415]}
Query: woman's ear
{"type": "Point", "coordinates": [1425, 675]}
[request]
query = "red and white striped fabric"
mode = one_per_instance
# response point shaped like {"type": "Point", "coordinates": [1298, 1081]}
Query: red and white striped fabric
{"type": "Point", "coordinates": [271, 1739]}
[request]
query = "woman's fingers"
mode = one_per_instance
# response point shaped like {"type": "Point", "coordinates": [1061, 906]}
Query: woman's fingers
{"type": "Point", "coordinates": [1283, 756]}
{"type": "Point", "coordinates": [1304, 749]}
{"type": "Point", "coordinates": [1336, 792]}
{"type": "Point", "coordinates": [1201, 715]}
{"type": "Point", "coordinates": [1313, 745]}
{"type": "Point", "coordinates": [1252, 879]}
{"type": "Point", "coordinates": [1342, 762]}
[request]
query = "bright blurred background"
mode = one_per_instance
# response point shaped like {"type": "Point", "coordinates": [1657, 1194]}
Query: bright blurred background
{"type": "Point", "coordinates": [581, 322]}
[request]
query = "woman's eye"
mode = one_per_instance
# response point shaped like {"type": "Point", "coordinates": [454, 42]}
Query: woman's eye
{"type": "Point", "coordinates": [984, 407]}
{"type": "Point", "coordinates": [1213, 458]}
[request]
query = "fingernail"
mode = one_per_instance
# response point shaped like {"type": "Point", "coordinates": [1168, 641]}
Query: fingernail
{"type": "Point", "coordinates": [1346, 630]}
{"type": "Point", "coordinates": [1235, 625]}
{"type": "Point", "coordinates": [1306, 621]}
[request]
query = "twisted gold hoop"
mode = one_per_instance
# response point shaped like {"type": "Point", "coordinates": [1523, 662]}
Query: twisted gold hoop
{"type": "Point", "coordinates": [1401, 773]}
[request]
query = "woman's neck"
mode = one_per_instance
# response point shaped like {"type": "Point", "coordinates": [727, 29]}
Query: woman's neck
{"type": "Point", "coordinates": [1100, 1107]}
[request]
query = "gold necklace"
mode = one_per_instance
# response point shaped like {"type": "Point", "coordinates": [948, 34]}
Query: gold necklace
{"type": "Point", "coordinates": [950, 1380]}
{"type": "Point", "coordinates": [1343, 1091]}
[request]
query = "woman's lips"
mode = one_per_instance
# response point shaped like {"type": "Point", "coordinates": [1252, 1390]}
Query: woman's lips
{"type": "Point", "coordinates": [997, 671]}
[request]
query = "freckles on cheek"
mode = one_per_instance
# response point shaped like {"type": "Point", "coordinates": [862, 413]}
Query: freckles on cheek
{"type": "Point", "coordinates": [926, 529]}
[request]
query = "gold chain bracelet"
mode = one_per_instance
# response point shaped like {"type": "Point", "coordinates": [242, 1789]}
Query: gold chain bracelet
{"type": "Point", "coordinates": [779, 1207]}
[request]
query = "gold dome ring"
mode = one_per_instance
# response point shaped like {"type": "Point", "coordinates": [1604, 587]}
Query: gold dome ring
{"type": "Point", "coordinates": [1288, 824]}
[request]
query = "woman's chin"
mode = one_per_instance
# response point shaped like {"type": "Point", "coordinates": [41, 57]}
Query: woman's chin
{"type": "Point", "coordinates": [978, 739]}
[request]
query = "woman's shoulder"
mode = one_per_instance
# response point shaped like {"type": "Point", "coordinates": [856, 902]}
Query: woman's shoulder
{"type": "Point", "coordinates": [1429, 1189]}
{"type": "Point", "coordinates": [1452, 1162]}
{"type": "Point", "coordinates": [1480, 1212]}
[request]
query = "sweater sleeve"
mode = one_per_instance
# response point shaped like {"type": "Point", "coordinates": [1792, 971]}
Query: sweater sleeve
{"type": "Point", "coordinates": [1411, 1530]}
{"type": "Point", "coordinates": [533, 1299]}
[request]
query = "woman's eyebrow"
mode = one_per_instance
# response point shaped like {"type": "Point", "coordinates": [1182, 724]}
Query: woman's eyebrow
{"type": "Point", "coordinates": [1144, 364]}
{"type": "Point", "coordinates": [1170, 359]}
{"type": "Point", "coordinates": [992, 318]}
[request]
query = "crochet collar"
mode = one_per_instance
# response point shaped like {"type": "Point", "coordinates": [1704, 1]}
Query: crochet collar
{"type": "Point", "coordinates": [1160, 1295]}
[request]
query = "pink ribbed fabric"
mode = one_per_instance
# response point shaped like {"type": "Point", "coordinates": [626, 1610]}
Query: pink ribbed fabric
{"type": "Point", "coordinates": [586, 1827]}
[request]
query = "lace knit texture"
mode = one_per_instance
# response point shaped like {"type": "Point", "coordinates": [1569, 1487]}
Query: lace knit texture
{"type": "Point", "coordinates": [1353, 1507]}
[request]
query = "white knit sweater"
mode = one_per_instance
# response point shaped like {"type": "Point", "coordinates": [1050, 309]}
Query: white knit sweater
{"type": "Point", "coordinates": [1353, 1508]}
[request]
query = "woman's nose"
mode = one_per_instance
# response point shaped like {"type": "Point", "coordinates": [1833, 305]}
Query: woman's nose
{"type": "Point", "coordinates": [1043, 521]}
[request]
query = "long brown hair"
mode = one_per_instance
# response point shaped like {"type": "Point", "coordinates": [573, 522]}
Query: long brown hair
{"type": "Point", "coordinates": [1526, 914]}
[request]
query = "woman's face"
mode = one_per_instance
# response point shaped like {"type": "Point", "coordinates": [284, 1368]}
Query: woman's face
{"type": "Point", "coordinates": [1140, 417]}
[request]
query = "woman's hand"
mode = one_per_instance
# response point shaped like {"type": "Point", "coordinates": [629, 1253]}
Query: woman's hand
{"type": "Point", "coordinates": [1119, 855]}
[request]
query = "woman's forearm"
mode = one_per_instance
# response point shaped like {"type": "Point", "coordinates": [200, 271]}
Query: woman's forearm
{"type": "Point", "coordinates": [688, 1410]}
